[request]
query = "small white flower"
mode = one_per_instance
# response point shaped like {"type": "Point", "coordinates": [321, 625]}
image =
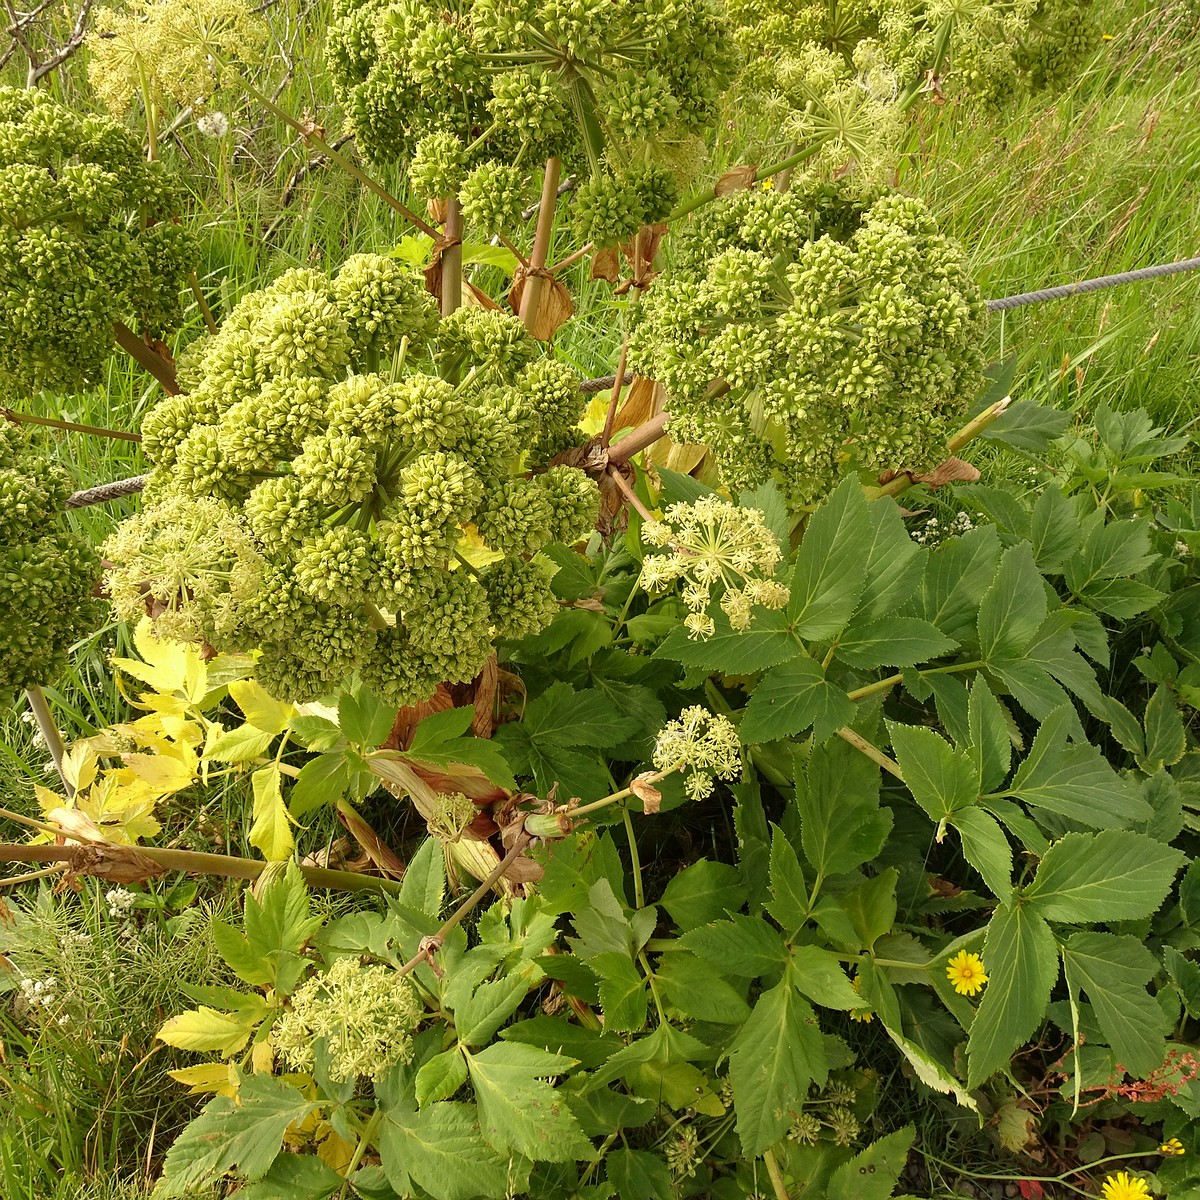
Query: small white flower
{"type": "Point", "coordinates": [1181, 548]}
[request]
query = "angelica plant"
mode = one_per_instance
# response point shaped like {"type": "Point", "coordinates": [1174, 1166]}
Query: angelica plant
{"type": "Point", "coordinates": [350, 486]}
{"type": "Point", "coordinates": [88, 239]}
{"type": "Point", "coordinates": [170, 52]}
{"type": "Point", "coordinates": [808, 334]}
{"type": "Point", "coordinates": [47, 573]}
{"type": "Point", "coordinates": [471, 97]}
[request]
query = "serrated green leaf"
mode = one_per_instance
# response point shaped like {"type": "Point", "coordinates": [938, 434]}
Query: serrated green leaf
{"type": "Point", "coordinates": [622, 992]}
{"type": "Point", "coordinates": [706, 891]}
{"type": "Point", "coordinates": [1166, 739]}
{"type": "Point", "coordinates": [478, 1017]}
{"type": "Point", "coordinates": [1021, 960]}
{"type": "Point", "coordinates": [1185, 975]}
{"type": "Point", "coordinates": [742, 946]}
{"type": "Point", "coordinates": [697, 990]}
{"type": "Point", "coordinates": [957, 573]}
{"type": "Point", "coordinates": [874, 1172]}
{"type": "Point", "coordinates": [986, 848]}
{"type": "Point", "coordinates": [563, 717]}
{"type": "Point", "coordinates": [1114, 971]}
{"type": "Point", "coordinates": [730, 651]}
{"type": "Point", "coordinates": [776, 1055]}
{"type": "Point", "coordinates": [1029, 427]}
{"type": "Point", "coordinates": [239, 745]}
{"type": "Point", "coordinates": [789, 892]}
{"type": "Point", "coordinates": [424, 882]}
{"type": "Point", "coordinates": [639, 1173]}
{"type": "Point", "coordinates": [894, 562]}
{"type": "Point", "coordinates": [518, 1110]}
{"type": "Point", "coordinates": [1013, 607]}
{"type": "Point", "coordinates": [322, 781]}
{"type": "Point", "coordinates": [271, 831]}
{"type": "Point", "coordinates": [941, 779]}
{"type": "Point", "coordinates": [245, 1134]}
{"type": "Point", "coordinates": [831, 570]}
{"type": "Point", "coordinates": [364, 718]}
{"type": "Point", "coordinates": [1054, 530]}
{"type": "Point", "coordinates": [892, 642]}
{"type": "Point", "coordinates": [842, 822]}
{"type": "Point", "coordinates": [1115, 875]}
{"type": "Point", "coordinates": [990, 740]}
{"type": "Point", "coordinates": [817, 974]}
{"type": "Point", "coordinates": [440, 1150]}
{"type": "Point", "coordinates": [1075, 780]}
{"type": "Point", "coordinates": [440, 1077]}
{"type": "Point", "coordinates": [792, 698]}
{"type": "Point", "coordinates": [295, 1177]}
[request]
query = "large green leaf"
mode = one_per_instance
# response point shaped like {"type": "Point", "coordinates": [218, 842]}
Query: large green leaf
{"type": "Point", "coordinates": [564, 717]}
{"type": "Point", "coordinates": [743, 946]}
{"type": "Point", "coordinates": [731, 651]}
{"type": "Point", "coordinates": [1075, 780]}
{"type": "Point", "coordinates": [1013, 606]}
{"type": "Point", "coordinates": [440, 740]}
{"type": "Point", "coordinates": [791, 698]}
{"type": "Point", "coordinates": [956, 575]}
{"type": "Point", "coordinates": [818, 974]}
{"type": "Point", "coordinates": [988, 731]}
{"type": "Point", "coordinates": [1021, 960]}
{"type": "Point", "coordinates": [622, 992]}
{"type": "Point", "coordinates": [1115, 875]}
{"type": "Point", "coordinates": [873, 1173]}
{"type": "Point", "coordinates": [894, 561]}
{"type": "Point", "coordinates": [986, 848]}
{"type": "Point", "coordinates": [295, 1177]}
{"type": "Point", "coordinates": [1114, 971]}
{"type": "Point", "coordinates": [697, 990]}
{"type": "Point", "coordinates": [364, 718]}
{"type": "Point", "coordinates": [518, 1110]}
{"type": "Point", "coordinates": [842, 822]}
{"type": "Point", "coordinates": [776, 1055]}
{"type": "Point", "coordinates": [789, 892]}
{"type": "Point", "coordinates": [639, 1173]}
{"type": "Point", "coordinates": [831, 567]}
{"type": "Point", "coordinates": [245, 1134]}
{"type": "Point", "coordinates": [440, 1150]}
{"type": "Point", "coordinates": [705, 891]}
{"type": "Point", "coordinates": [893, 642]}
{"type": "Point", "coordinates": [941, 779]}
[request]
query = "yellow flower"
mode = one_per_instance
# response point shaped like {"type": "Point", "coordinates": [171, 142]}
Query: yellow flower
{"type": "Point", "coordinates": [1124, 1186]}
{"type": "Point", "coordinates": [1172, 1146]}
{"type": "Point", "coordinates": [965, 972]}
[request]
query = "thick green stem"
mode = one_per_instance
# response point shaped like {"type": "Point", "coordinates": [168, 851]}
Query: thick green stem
{"type": "Point", "coordinates": [452, 258]}
{"type": "Point", "coordinates": [210, 322]}
{"type": "Point", "coordinates": [147, 359]}
{"type": "Point", "coordinates": [40, 707]}
{"type": "Point", "coordinates": [429, 945]}
{"type": "Point", "coordinates": [535, 281]}
{"type": "Point", "coordinates": [194, 862]}
{"type": "Point", "coordinates": [364, 1140]}
{"type": "Point", "coordinates": [71, 426]}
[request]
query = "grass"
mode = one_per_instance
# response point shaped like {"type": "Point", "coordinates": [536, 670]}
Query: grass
{"type": "Point", "coordinates": [1102, 178]}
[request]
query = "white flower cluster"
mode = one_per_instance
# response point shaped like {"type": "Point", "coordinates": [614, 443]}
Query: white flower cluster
{"type": "Point", "coordinates": [934, 532]}
{"type": "Point", "coordinates": [703, 745]}
{"type": "Point", "coordinates": [715, 544]}
{"type": "Point", "coordinates": [368, 1015]}
{"type": "Point", "coordinates": [42, 993]}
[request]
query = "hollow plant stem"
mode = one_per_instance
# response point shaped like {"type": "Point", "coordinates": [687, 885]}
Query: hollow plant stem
{"type": "Point", "coordinates": [210, 322]}
{"type": "Point", "coordinates": [629, 494]}
{"type": "Point", "coordinates": [48, 727]}
{"type": "Point", "coordinates": [146, 358]}
{"type": "Point", "coordinates": [468, 905]}
{"type": "Point", "coordinates": [644, 435]}
{"type": "Point", "coordinates": [615, 399]}
{"type": "Point", "coordinates": [195, 862]}
{"type": "Point", "coordinates": [452, 258]}
{"type": "Point", "coordinates": [71, 426]}
{"type": "Point", "coordinates": [535, 282]}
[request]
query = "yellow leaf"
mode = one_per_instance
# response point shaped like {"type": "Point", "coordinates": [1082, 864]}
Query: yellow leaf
{"type": "Point", "coordinates": [260, 708]}
{"type": "Point", "coordinates": [333, 1149]}
{"type": "Point", "coordinates": [271, 832]}
{"type": "Point", "coordinates": [208, 1077]}
{"type": "Point", "coordinates": [79, 766]}
{"type": "Point", "coordinates": [165, 772]}
{"type": "Point", "coordinates": [77, 826]}
{"type": "Point", "coordinates": [48, 800]}
{"type": "Point", "coordinates": [205, 1028]}
{"type": "Point", "coordinates": [166, 665]}
{"type": "Point", "coordinates": [122, 809]}
{"type": "Point", "coordinates": [262, 1057]}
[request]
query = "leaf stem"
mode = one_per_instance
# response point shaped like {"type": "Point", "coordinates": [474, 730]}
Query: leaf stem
{"type": "Point", "coordinates": [428, 945]}
{"type": "Point", "coordinates": [20, 418]}
{"type": "Point", "coordinates": [48, 727]}
{"type": "Point", "coordinates": [367, 1134]}
{"type": "Point", "coordinates": [635, 862]}
{"type": "Point", "coordinates": [535, 281]}
{"type": "Point", "coordinates": [776, 1175]}
{"type": "Point", "coordinates": [872, 752]}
